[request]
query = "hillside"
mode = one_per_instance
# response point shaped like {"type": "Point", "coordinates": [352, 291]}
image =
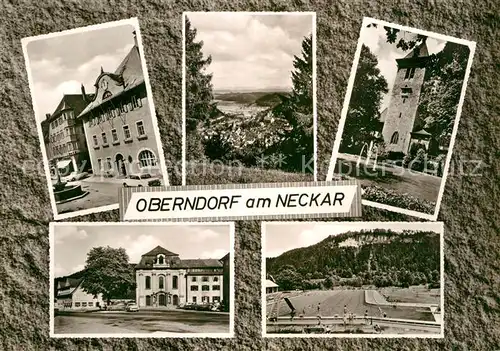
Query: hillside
{"type": "Point", "coordinates": [260, 98]}
{"type": "Point", "coordinates": [379, 257]}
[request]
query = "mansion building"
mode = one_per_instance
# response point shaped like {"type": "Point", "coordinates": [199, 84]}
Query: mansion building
{"type": "Point", "coordinates": [118, 123]}
{"type": "Point", "coordinates": [64, 137]}
{"type": "Point", "coordinates": [164, 279]}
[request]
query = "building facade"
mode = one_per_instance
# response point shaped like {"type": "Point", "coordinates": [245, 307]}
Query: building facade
{"type": "Point", "coordinates": [271, 287]}
{"type": "Point", "coordinates": [163, 279]}
{"type": "Point", "coordinates": [71, 296]}
{"type": "Point", "coordinates": [118, 123]}
{"type": "Point", "coordinates": [226, 286]}
{"type": "Point", "coordinates": [401, 114]}
{"type": "Point", "coordinates": [64, 137]}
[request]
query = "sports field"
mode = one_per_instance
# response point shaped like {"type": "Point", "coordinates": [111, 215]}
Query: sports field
{"type": "Point", "coordinates": [332, 303]}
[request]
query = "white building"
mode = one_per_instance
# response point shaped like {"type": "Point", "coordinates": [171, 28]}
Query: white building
{"type": "Point", "coordinates": [271, 287]}
{"type": "Point", "coordinates": [71, 296]}
{"type": "Point", "coordinates": [163, 279]}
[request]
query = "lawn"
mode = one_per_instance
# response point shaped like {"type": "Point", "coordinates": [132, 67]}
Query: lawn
{"type": "Point", "coordinates": [420, 185]}
{"type": "Point", "coordinates": [198, 173]}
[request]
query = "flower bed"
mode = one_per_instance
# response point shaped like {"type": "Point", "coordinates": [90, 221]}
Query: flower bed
{"type": "Point", "coordinates": [392, 198]}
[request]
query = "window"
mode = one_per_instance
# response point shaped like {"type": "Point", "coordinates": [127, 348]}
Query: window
{"type": "Point", "coordinates": [216, 299]}
{"type": "Point", "coordinates": [395, 138]}
{"type": "Point", "coordinates": [99, 164]}
{"type": "Point", "coordinates": [91, 304]}
{"type": "Point", "coordinates": [147, 158]}
{"type": "Point", "coordinates": [84, 304]}
{"type": "Point", "coordinates": [96, 143]}
{"type": "Point", "coordinates": [193, 279]}
{"type": "Point", "coordinates": [194, 299]}
{"type": "Point", "coordinates": [194, 287]}
{"type": "Point", "coordinates": [136, 102]}
{"type": "Point", "coordinates": [216, 279]}
{"type": "Point", "coordinates": [205, 288]}
{"type": "Point", "coordinates": [205, 299]}
{"type": "Point", "coordinates": [400, 115]}
{"type": "Point", "coordinates": [140, 128]}
{"type": "Point", "coordinates": [405, 92]}
{"type": "Point", "coordinates": [160, 260]}
{"type": "Point", "coordinates": [204, 279]}
{"type": "Point", "coordinates": [410, 73]}
{"type": "Point", "coordinates": [215, 287]}
{"type": "Point", "coordinates": [126, 132]}
{"type": "Point", "coordinates": [109, 163]}
{"type": "Point", "coordinates": [161, 282]}
{"type": "Point", "coordinates": [114, 135]}
{"type": "Point", "coordinates": [123, 108]}
{"type": "Point", "coordinates": [104, 138]}
{"type": "Point", "coordinates": [77, 304]}
{"type": "Point", "coordinates": [174, 282]}
{"type": "Point", "coordinates": [148, 282]}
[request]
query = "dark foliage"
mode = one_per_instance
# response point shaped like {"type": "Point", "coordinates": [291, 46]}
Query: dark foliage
{"type": "Point", "coordinates": [382, 258]}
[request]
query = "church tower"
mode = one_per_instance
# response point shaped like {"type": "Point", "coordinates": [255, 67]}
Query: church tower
{"type": "Point", "coordinates": [402, 110]}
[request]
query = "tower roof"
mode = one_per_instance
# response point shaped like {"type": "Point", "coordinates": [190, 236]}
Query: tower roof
{"type": "Point", "coordinates": [69, 101]}
{"type": "Point", "coordinates": [418, 51]}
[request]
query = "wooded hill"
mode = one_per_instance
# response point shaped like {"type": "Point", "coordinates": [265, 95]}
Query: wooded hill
{"type": "Point", "coordinates": [379, 257]}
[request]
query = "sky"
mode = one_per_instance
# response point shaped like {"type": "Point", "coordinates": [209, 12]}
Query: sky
{"type": "Point", "coordinates": [251, 52]}
{"type": "Point", "coordinates": [376, 40]}
{"type": "Point", "coordinates": [59, 65]}
{"type": "Point", "coordinates": [73, 242]}
{"type": "Point", "coordinates": [282, 237]}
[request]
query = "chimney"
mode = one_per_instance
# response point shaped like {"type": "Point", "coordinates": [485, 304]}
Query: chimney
{"type": "Point", "coordinates": [83, 93]}
{"type": "Point", "coordinates": [47, 115]}
{"type": "Point", "coordinates": [135, 38]}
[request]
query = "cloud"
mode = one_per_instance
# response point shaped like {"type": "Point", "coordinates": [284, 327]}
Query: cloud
{"type": "Point", "coordinates": [69, 233]}
{"type": "Point", "coordinates": [216, 253]}
{"type": "Point", "coordinates": [205, 234]}
{"type": "Point", "coordinates": [140, 245]}
{"type": "Point", "coordinates": [251, 51]}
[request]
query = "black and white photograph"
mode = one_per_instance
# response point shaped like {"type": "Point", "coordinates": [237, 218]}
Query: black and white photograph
{"type": "Point", "coordinates": [352, 279]}
{"type": "Point", "coordinates": [401, 115]}
{"type": "Point", "coordinates": [141, 279]}
{"type": "Point", "coordinates": [94, 114]}
{"type": "Point", "coordinates": [249, 97]}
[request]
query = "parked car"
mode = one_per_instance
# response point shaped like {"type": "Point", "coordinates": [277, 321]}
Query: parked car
{"type": "Point", "coordinates": [142, 179]}
{"type": "Point", "coordinates": [132, 307]}
{"type": "Point", "coordinates": [73, 176]}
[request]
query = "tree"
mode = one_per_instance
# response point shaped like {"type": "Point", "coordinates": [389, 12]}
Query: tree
{"type": "Point", "coordinates": [107, 272]}
{"type": "Point", "coordinates": [442, 89]}
{"type": "Point", "coordinates": [363, 114]}
{"type": "Point", "coordinates": [199, 91]}
{"type": "Point", "coordinates": [297, 110]}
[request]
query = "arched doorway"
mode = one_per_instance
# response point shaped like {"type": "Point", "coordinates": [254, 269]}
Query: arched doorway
{"type": "Point", "coordinates": [176, 300]}
{"type": "Point", "coordinates": [148, 300]}
{"type": "Point", "coordinates": [162, 300]}
{"type": "Point", "coordinates": [120, 165]}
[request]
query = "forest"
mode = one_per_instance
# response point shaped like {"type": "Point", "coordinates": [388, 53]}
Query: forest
{"type": "Point", "coordinates": [380, 257]}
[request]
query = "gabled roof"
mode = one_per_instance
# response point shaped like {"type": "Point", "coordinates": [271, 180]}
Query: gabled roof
{"type": "Point", "coordinates": [419, 51]}
{"type": "Point", "coordinates": [128, 73]}
{"type": "Point", "coordinates": [160, 250]}
{"type": "Point", "coordinates": [200, 263]}
{"type": "Point", "coordinates": [271, 284]}
{"type": "Point", "coordinates": [422, 132]}
{"type": "Point", "coordinates": [70, 101]}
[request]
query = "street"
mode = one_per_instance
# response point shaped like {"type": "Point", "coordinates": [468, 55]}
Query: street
{"type": "Point", "coordinates": [121, 322]}
{"type": "Point", "coordinates": [100, 194]}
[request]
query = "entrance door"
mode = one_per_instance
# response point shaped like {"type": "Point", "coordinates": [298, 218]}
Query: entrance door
{"type": "Point", "coordinates": [120, 165]}
{"type": "Point", "coordinates": [176, 300]}
{"type": "Point", "coordinates": [163, 300]}
{"type": "Point", "coordinates": [148, 300]}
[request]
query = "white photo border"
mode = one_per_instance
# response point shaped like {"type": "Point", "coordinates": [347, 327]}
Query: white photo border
{"type": "Point", "coordinates": [230, 334]}
{"type": "Point", "coordinates": [25, 41]}
{"type": "Point", "coordinates": [433, 226]}
{"type": "Point", "coordinates": [333, 160]}
{"type": "Point", "coordinates": [263, 13]}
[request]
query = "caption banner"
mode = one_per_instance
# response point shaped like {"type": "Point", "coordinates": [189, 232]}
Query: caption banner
{"type": "Point", "coordinates": [248, 201]}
